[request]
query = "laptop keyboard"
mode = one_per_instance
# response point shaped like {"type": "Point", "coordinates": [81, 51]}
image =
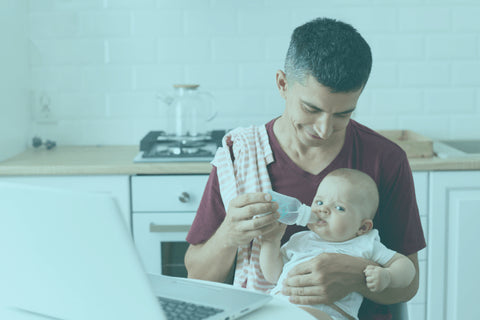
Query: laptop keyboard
{"type": "Point", "coordinates": [181, 310]}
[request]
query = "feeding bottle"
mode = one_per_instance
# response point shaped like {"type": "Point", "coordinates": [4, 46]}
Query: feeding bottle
{"type": "Point", "coordinates": [291, 210]}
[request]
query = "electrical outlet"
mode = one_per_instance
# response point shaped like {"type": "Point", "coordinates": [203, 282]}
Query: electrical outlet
{"type": "Point", "coordinates": [42, 109]}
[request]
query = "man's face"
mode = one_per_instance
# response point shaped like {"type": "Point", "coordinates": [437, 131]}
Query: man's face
{"type": "Point", "coordinates": [316, 114]}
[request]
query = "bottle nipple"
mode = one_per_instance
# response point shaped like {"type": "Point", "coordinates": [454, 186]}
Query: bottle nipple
{"type": "Point", "coordinates": [291, 210]}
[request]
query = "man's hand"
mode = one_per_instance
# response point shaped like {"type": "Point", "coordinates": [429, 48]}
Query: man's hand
{"type": "Point", "coordinates": [377, 278]}
{"type": "Point", "coordinates": [240, 226]}
{"type": "Point", "coordinates": [324, 279]}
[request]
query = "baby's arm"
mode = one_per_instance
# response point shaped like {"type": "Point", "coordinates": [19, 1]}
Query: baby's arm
{"type": "Point", "coordinates": [397, 273]}
{"type": "Point", "coordinates": [271, 261]}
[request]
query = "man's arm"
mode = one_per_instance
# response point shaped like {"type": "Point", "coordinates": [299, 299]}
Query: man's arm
{"type": "Point", "coordinates": [213, 259]}
{"type": "Point", "coordinates": [199, 259]}
{"type": "Point", "coordinates": [331, 276]}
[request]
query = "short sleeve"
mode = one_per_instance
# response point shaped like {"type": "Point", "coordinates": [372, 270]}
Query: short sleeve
{"type": "Point", "coordinates": [210, 213]}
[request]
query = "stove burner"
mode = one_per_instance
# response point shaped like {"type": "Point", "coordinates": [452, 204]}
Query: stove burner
{"type": "Point", "coordinates": [157, 146]}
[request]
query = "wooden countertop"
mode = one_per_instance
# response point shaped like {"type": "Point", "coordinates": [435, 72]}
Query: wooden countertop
{"type": "Point", "coordinates": [118, 160]}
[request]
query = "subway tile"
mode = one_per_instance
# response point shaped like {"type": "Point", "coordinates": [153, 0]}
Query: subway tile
{"type": "Point", "coordinates": [424, 19]}
{"type": "Point", "coordinates": [78, 105]}
{"type": "Point", "coordinates": [397, 101]}
{"type": "Point", "coordinates": [432, 126]}
{"type": "Point", "coordinates": [105, 24]}
{"type": "Point", "coordinates": [452, 46]}
{"type": "Point", "coordinates": [383, 75]}
{"type": "Point", "coordinates": [240, 49]}
{"type": "Point", "coordinates": [129, 4]}
{"type": "Point", "coordinates": [465, 127]}
{"type": "Point", "coordinates": [184, 50]}
{"type": "Point", "coordinates": [424, 73]}
{"type": "Point", "coordinates": [401, 47]}
{"type": "Point", "coordinates": [465, 18]}
{"type": "Point", "coordinates": [450, 100]}
{"type": "Point", "coordinates": [211, 22]}
{"type": "Point", "coordinates": [158, 76]}
{"type": "Point", "coordinates": [214, 75]}
{"type": "Point", "coordinates": [57, 78]}
{"type": "Point", "coordinates": [466, 73]}
{"type": "Point", "coordinates": [126, 104]}
{"type": "Point", "coordinates": [107, 78]}
{"type": "Point", "coordinates": [63, 51]}
{"type": "Point", "coordinates": [53, 24]}
{"type": "Point", "coordinates": [276, 48]}
{"type": "Point", "coordinates": [258, 75]}
{"type": "Point", "coordinates": [132, 51]}
{"type": "Point", "coordinates": [264, 22]}
{"type": "Point", "coordinates": [158, 23]}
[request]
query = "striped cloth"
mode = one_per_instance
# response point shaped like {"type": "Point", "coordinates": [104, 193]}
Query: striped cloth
{"type": "Point", "coordinates": [248, 173]}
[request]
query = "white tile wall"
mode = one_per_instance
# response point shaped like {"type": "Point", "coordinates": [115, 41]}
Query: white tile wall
{"type": "Point", "coordinates": [14, 78]}
{"type": "Point", "coordinates": [102, 62]}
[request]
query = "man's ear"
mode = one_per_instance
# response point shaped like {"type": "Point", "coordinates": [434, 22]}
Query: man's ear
{"type": "Point", "coordinates": [282, 85]}
{"type": "Point", "coordinates": [366, 226]}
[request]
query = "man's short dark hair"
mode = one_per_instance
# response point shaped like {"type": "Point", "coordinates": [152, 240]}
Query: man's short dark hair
{"type": "Point", "coordinates": [331, 51]}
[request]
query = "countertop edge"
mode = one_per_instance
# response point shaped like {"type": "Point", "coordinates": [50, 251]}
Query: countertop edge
{"type": "Point", "coordinates": [118, 160]}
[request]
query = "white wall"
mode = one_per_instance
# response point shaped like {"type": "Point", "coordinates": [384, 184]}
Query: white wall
{"type": "Point", "coordinates": [14, 82]}
{"type": "Point", "coordinates": [101, 63]}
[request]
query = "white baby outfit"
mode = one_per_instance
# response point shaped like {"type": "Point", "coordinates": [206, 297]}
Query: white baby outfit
{"type": "Point", "coordinates": [306, 245]}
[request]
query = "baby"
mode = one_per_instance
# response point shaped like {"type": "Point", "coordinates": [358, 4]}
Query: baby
{"type": "Point", "coordinates": [344, 205]}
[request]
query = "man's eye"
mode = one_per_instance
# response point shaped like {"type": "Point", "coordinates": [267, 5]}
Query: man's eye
{"type": "Point", "coordinates": [319, 203]}
{"type": "Point", "coordinates": [309, 109]}
{"type": "Point", "coordinates": [340, 208]}
{"type": "Point", "coordinates": [343, 115]}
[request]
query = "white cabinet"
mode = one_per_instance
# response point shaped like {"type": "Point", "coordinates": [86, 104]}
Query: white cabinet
{"type": "Point", "coordinates": [163, 209]}
{"type": "Point", "coordinates": [453, 254]}
{"type": "Point", "coordinates": [417, 306]}
{"type": "Point", "coordinates": [116, 185]}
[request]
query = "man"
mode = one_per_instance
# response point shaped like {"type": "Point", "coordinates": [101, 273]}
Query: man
{"type": "Point", "coordinates": [327, 66]}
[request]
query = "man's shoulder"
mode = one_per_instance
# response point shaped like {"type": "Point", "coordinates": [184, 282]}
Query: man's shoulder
{"type": "Point", "coordinates": [374, 142]}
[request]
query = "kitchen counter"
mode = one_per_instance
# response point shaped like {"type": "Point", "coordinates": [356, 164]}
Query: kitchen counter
{"type": "Point", "coordinates": [114, 160]}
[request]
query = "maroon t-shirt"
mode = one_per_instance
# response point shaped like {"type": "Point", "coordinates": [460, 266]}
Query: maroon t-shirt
{"type": "Point", "coordinates": [397, 218]}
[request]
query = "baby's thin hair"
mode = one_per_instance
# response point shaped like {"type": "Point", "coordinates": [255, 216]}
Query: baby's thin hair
{"type": "Point", "coordinates": [367, 186]}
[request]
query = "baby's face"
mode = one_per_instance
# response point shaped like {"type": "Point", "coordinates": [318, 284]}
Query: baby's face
{"type": "Point", "coordinates": [339, 209]}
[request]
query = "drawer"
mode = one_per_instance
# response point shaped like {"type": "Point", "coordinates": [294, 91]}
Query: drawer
{"type": "Point", "coordinates": [167, 193]}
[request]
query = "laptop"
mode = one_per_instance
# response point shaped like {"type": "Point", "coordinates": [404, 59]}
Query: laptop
{"type": "Point", "coordinates": [69, 255]}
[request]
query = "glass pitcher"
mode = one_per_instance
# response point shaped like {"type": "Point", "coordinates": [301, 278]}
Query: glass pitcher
{"type": "Point", "coordinates": [188, 110]}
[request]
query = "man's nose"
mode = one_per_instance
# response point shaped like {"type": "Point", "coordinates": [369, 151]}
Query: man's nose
{"type": "Point", "coordinates": [324, 126]}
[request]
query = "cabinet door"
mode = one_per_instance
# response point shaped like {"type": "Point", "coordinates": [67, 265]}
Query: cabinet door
{"type": "Point", "coordinates": [453, 257]}
{"type": "Point", "coordinates": [417, 306]}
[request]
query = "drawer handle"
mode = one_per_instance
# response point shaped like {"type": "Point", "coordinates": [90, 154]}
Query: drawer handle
{"type": "Point", "coordinates": [168, 228]}
{"type": "Point", "coordinates": [184, 197]}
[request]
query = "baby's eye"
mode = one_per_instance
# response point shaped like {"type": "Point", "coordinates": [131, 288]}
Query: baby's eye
{"type": "Point", "coordinates": [319, 203]}
{"type": "Point", "coordinates": [340, 208]}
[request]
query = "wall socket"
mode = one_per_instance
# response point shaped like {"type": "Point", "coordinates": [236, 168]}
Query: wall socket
{"type": "Point", "coordinates": [42, 109]}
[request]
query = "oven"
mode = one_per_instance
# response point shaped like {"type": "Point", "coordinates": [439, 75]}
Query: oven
{"type": "Point", "coordinates": [163, 209]}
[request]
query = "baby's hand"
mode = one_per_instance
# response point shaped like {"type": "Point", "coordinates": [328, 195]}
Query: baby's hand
{"type": "Point", "coordinates": [377, 278]}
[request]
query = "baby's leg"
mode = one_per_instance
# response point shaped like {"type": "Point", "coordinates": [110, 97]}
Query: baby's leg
{"type": "Point", "coordinates": [319, 314]}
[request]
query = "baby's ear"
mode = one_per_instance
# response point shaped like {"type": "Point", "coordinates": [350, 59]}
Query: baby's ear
{"type": "Point", "coordinates": [367, 225]}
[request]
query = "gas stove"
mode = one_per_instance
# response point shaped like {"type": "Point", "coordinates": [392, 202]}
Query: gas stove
{"type": "Point", "coordinates": [158, 146]}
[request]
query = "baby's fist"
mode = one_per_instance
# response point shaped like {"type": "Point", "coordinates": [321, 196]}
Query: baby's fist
{"type": "Point", "coordinates": [377, 278]}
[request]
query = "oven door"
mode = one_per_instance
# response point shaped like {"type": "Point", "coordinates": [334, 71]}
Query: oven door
{"type": "Point", "coordinates": [160, 241]}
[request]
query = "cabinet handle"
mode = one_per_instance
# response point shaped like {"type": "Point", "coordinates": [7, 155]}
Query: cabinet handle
{"type": "Point", "coordinates": [184, 197]}
{"type": "Point", "coordinates": [168, 228]}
